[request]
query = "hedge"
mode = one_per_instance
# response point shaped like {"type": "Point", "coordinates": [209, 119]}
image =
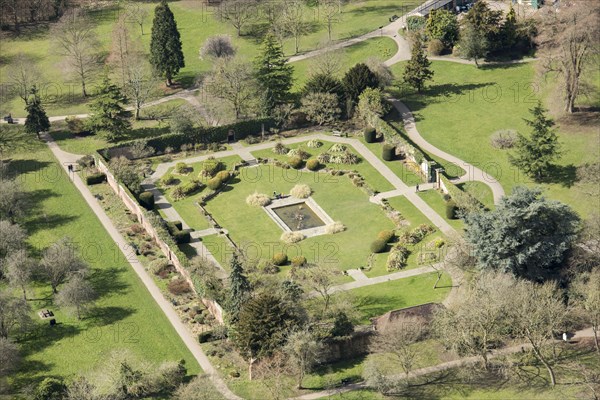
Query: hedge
{"type": "Point", "coordinates": [451, 209]}
{"type": "Point", "coordinates": [223, 176]}
{"type": "Point", "coordinates": [387, 152]}
{"type": "Point", "coordinates": [147, 200]}
{"type": "Point", "coordinates": [370, 135]}
{"type": "Point", "coordinates": [214, 183]}
{"type": "Point", "coordinates": [378, 246]}
{"type": "Point", "coordinates": [95, 178]}
{"type": "Point", "coordinates": [459, 196]}
{"type": "Point", "coordinates": [206, 336]}
{"type": "Point", "coordinates": [179, 235]}
{"type": "Point", "coordinates": [386, 236]}
{"type": "Point", "coordinates": [205, 135]}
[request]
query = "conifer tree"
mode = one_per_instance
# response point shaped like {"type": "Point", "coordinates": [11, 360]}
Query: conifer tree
{"type": "Point", "coordinates": [536, 154]}
{"type": "Point", "coordinates": [108, 113]}
{"type": "Point", "coordinates": [357, 79]}
{"type": "Point", "coordinates": [37, 121]}
{"type": "Point", "coordinates": [417, 70]}
{"type": "Point", "coordinates": [166, 55]}
{"type": "Point", "coordinates": [273, 74]}
{"type": "Point", "coordinates": [239, 289]}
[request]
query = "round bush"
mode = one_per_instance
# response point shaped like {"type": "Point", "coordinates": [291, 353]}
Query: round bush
{"type": "Point", "coordinates": [295, 162]}
{"type": "Point", "coordinates": [147, 200]}
{"type": "Point", "coordinates": [386, 236]}
{"type": "Point", "coordinates": [336, 227]}
{"type": "Point", "coordinates": [291, 237]}
{"type": "Point", "coordinates": [435, 47]}
{"type": "Point", "coordinates": [301, 191]}
{"type": "Point", "coordinates": [168, 180]}
{"type": "Point", "coordinates": [370, 135]}
{"type": "Point", "coordinates": [280, 259]}
{"type": "Point", "coordinates": [214, 183]}
{"type": "Point", "coordinates": [223, 175]}
{"type": "Point", "coordinates": [451, 209]}
{"type": "Point", "coordinates": [181, 168]}
{"type": "Point", "coordinates": [387, 153]}
{"type": "Point", "coordinates": [378, 246]}
{"type": "Point", "coordinates": [313, 164]}
{"type": "Point", "coordinates": [258, 200]}
{"type": "Point", "coordinates": [299, 261]}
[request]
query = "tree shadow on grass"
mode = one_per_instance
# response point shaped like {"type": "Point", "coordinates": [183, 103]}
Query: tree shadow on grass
{"type": "Point", "coordinates": [564, 175]}
{"type": "Point", "coordinates": [102, 316]}
{"type": "Point", "coordinates": [19, 167]}
{"type": "Point", "coordinates": [443, 93]}
{"type": "Point", "coordinates": [108, 281]}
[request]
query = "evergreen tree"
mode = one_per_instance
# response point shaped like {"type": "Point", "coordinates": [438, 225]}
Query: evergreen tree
{"type": "Point", "coordinates": [273, 74]}
{"type": "Point", "coordinates": [324, 83]}
{"type": "Point", "coordinates": [442, 25]}
{"type": "Point", "coordinates": [37, 121]}
{"type": "Point", "coordinates": [108, 113]}
{"type": "Point", "coordinates": [239, 289]}
{"type": "Point", "coordinates": [536, 154]}
{"type": "Point", "coordinates": [357, 79]}
{"type": "Point", "coordinates": [417, 69]}
{"type": "Point", "coordinates": [508, 31]}
{"type": "Point", "coordinates": [473, 44]}
{"type": "Point", "coordinates": [166, 55]}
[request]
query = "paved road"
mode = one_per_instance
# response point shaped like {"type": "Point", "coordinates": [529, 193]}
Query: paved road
{"type": "Point", "coordinates": [189, 340]}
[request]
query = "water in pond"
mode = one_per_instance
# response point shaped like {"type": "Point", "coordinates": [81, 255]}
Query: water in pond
{"type": "Point", "coordinates": [298, 216]}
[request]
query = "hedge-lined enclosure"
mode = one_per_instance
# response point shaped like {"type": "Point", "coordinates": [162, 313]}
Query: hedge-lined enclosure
{"type": "Point", "coordinates": [202, 135]}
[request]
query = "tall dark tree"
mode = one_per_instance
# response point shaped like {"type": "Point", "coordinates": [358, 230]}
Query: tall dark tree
{"type": "Point", "coordinates": [535, 154]}
{"type": "Point", "coordinates": [37, 121]}
{"type": "Point", "coordinates": [325, 83]}
{"type": "Point", "coordinates": [239, 289]}
{"type": "Point", "coordinates": [527, 234]}
{"type": "Point", "coordinates": [357, 79]}
{"type": "Point", "coordinates": [417, 70]}
{"type": "Point", "coordinates": [273, 74]}
{"type": "Point", "coordinates": [166, 55]}
{"type": "Point", "coordinates": [108, 113]}
{"type": "Point", "coordinates": [442, 25]}
{"type": "Point", "coordinates": [508, 31]}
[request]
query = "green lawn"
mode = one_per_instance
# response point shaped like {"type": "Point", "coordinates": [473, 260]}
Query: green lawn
{"type": "Point", "coordinates": [436, 201]}
{"type": "Point", "coordinates": [252, 229]}
{"type": "Point", "coordinates": [125, 315]}
{"type": "Point", "coordinates": [375, 300]}
{"type": "Point", "coordinates": [465, 105]}
{"type": "Point", "coordinates": [371, 175]}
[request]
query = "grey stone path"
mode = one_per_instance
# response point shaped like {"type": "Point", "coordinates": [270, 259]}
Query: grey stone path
{"type": "Point", "coordinates": [186, 336]}
{"type": "Point", "coordinates": [357, 274]}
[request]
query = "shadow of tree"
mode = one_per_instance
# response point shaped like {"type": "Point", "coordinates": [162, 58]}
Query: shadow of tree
{"type": "Point", "coordinates": [447, 92]}
{"type": "Point", "coordinates": [108, 281]}
{"type": "Point", "coordinates": [565, 175]}
{"type": "Point", "coordinates": [101, 316]}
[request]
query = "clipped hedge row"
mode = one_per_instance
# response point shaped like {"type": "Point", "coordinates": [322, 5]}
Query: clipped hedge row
{"type": "Point", "coordinates": [212, 134]}
{"type": "Point", "coordinates": [459, 196]}
{"type": "Point", "coordinates": [147, 200]}
{"type": "Point", "coordinates": [95, 178]}
{"type": "Point", "coordinates": [179, 235]}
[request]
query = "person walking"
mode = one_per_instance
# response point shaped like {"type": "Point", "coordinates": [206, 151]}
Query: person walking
{"type": "Point", "coordinates": [417, 187]}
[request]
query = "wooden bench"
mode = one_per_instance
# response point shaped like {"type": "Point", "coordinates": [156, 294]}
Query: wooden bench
{"type": "Point", "coordinates": [336, 133]}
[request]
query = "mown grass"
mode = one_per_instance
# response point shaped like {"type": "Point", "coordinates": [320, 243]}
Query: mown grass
{"type": "Point", "coordinates": [125, 315]}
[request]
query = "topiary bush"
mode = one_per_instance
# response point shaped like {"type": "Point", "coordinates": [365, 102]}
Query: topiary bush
{"type": "Point", "coordinates": [435, 47]}
{"type": "Point", "coordinates": [223, 176]}
{"type": "Point", "coordinates": [370, 135]}
{"type": "Point", "coordinates": [296, 162]}
{"type": "Point", "coordinates": [214, 183]}
{"type": "Point", "coordinates": [313, 164]}
{"type": "Point", "coordinates": [168, 180]}
{"type": "Point", "coordinates": [451, 209]}
{"type": "Point", "coordinates": [386, 235]}
{"type": "Point", "coordinates": [378, 246]}
{"type": "Point", "coordinates": [258, 200]}
{"type": "Point", "coordinates": [95, 178]}
{"type": "Point", "coordinates": [279, 259]}
{"type": "Point", "coordinates": [147, 200]}
{"type": "Point", "coordinates": [298, 261]}
{"type": "Point", "coordinates": [388, 152]}
{"type": "Point", "coordinates": [301, 191]}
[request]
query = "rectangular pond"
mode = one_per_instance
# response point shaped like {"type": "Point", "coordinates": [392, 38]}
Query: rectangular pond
{"type": "Point", "coordinates": [298, 216]}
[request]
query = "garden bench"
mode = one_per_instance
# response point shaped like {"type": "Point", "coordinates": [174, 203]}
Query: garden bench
{"type": "Point", "coordinates": [336, 133]}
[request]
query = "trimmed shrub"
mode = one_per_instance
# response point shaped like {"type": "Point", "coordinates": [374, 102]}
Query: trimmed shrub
{"type": "Point", "coordinates": [210, 167]}
{"type": "Point", "coordinates": [291, 237]}
{"type": "Point", "coordinates": [168, 180]}
{"type": "Point", "coordinates": [295, 162]}
{"type": "Point", "coordinates": [214, 183]}
{"type": "Point", "coordinates": [336, 227]}
{"type": "Point", "coordinates": [258, 200]}
{"type": "Point", "coordinates": [313, 164]}
{"type": "Point", "coordinates": [435, 47]}
{"type": "Point", "coordinates": [223, 176]}
{"type": "Point", "coordinates": [388, 152]}
{"type": "Point", "coordinates": [181, 168]}
{"type": "Point", "coordinates": [182, 237]}
{"type": "Point", "coordinates": [337, 148]}
{"type": "Point", "coordinates": [280, 149]}
{"type": "Point", "coordinates": [158, 265]}
{"type": "Point", "coordinates": [299, 152]}
{"type": "Point", "coordinates": [301, 191]}
{"type": "Point", "coordinates": [299, 261]}
{"type": "Point", "coordinates": [280, 259]}
{"type": "Point", "coordinates": [205, 337]}
{"type": "Point", "coordinates": [370, 135]}
{"type": "Point", "coordinates": [86, 161]}
{"type": "Point", "coordinates": [190, 187]}
{"type": "Point", "coordinates": [397, 258]}
{"type": "Point", "coordinates": [386, 236]}
{"type": "Point", "coordinates": [378, 246]}
{"type": "Point", "coordinates": [451, 209]}
{"type": "Point", "coordinates": [147, 200]}
{"type": "Point", "coordinates": [95, 178]}
{"type": "Point", "coordinates": [314, 144]}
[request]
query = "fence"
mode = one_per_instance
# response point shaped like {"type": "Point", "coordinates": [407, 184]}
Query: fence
{"type": "Point", "coordinates": [213, 307]}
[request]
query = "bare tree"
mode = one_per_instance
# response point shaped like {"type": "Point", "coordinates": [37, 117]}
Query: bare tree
{"type": "Point", "coordinates": [238, 12]}
{"type": "Point", "coordinates": [328, 62]}
{"type": "Point", "coordinates": [120, 43]}
{"type": "Point", "coordinates": [293, 21]}
{"type": "Point", "coordinates": [567, 41]}
{"type": "Point", "coordinates": [19, 270]}
{"type": "Point", "coordinates": [218, 46]}
{"type": "Point", "coordinates": [59, 261]}
{"type": "Point", "coordinates": [273, 371]}
{"type": "Point", "coordinates": [304, 351]}
{"type": "Point", "coordinates": [12, 199]}
{"type": "Point", "coordinates": [477, 321]}
{"type": "Point", "coordinates": [586, 290]}
{"type": "Point", "coordinates": [9, 356]}
{"type": "Point", "coordinates": [14, 313]}
{"type": "Point", "coordinates": [233, 80]}
{"type": "Point", "coordinates": [330, 11]}
{"type": "Point", "coordinates": [23, 73]}
{"type": "Point", "coordinates": [77, 294]}
{"type": "Point", "coordinates": [141, 82]}
{"type": "Point", "coordinates": [137, 14]}
{"type": "Point", "coordinates": [199, 388]}
{"type": "Point", "coordinates": [321, 279]}
{"type": "Point", "coordinates": [77, 41]}
{"type": "Point", "coordinates": [397, 338]}
{"type": "Point", "coordinates": [537, 313]}
{"type": "Point", "coordinates": [12, 237]}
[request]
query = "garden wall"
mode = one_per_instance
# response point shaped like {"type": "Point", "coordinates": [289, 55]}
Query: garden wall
{"type": "Point", "coordinates": [213, 307]}
{"type": "Point", "coordinates": [355, 345]}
